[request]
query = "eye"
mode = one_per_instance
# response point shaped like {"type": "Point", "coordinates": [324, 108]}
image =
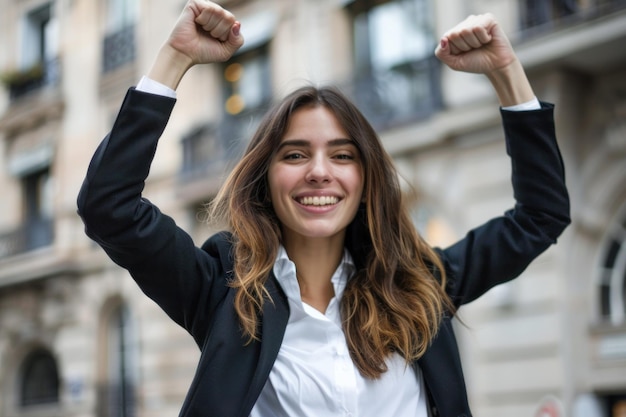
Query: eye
{"type": "Point", "coordinates": [292, 156]}
{"type": "Point", "coordinates": [344, 156]}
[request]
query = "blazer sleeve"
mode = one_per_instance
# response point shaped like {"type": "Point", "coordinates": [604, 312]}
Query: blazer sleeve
{"type": "Point", "coordinates": [160, 256]}
{"type": "Point", "coordinates": [502, 248]}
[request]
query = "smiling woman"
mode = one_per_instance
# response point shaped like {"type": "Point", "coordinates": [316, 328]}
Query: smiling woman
{"type": "Point", "coordinates": [321, 298]}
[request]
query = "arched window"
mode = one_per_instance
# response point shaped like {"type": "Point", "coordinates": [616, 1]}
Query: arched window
{"type": "Point", "coordinates": [39, 379]}
{"type": "Point", "coordinates": [613, 272]}
{"type": "Point", "coordinates": [117, 395]}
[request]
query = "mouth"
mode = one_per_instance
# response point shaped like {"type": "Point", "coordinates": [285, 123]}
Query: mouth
{"type": "Point", "coordinates": [325, 200]}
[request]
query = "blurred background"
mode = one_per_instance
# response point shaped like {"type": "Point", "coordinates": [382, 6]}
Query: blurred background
{"type": "Point", "coordinates": [77, 337]}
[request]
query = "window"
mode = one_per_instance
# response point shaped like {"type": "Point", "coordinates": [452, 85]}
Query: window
{"type": "Point", "coordinates": [36, 228]}
{"type": "Point", "coordinates": [40, 40]}
{"type": "Point", "coordinates": [397, 76]}
{"type": "Point", "coordinates": [117, 395]}
{"type": "Point", "coordinates": [39, 379]}
{"type": "Point", "coordinates": [37, 196]}
{"type": "Point", "coordinates": [247, 93]}
{"type": "Point", "coordinates": [119, 40]}
{"type": "Point", "coordinates": [39, 52]}
{"type": "Point", "coordinates": [612, 289]}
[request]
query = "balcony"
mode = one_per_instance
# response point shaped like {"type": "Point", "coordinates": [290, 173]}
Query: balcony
{"type": "Point", "coordinates": [539, 16]}
{"type": "Point", "coordinates": [32, 235]}
{"type": "Point", "coordinates": [402, 94]}
{"type": "Point", "coordinates": [24, 82]}
{"type": "Point", "coordinates": [588, 39]}
{"type": "Point", "coordinates": [210, 149]}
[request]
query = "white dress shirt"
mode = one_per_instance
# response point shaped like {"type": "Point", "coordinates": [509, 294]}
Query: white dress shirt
{"type": "Point", "coordinates": [314, 375]}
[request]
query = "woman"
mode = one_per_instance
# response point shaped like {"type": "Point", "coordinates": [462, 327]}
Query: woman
{"type": "Point", "coordinates": [321, 292]}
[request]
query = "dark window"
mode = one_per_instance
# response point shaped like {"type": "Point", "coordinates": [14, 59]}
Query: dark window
{"type": "Point", "coordinates": [40, 379]}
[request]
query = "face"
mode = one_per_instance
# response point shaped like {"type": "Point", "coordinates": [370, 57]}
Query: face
{"type": "Point", "coordinates": [316, 177]}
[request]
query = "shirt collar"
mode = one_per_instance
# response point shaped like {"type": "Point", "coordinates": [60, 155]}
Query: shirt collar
{"type": "Point", "coordinates": [285, 273]}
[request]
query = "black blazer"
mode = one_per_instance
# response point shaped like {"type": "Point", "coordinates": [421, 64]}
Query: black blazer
{"type": "Point", "coordinates": [190, 283]}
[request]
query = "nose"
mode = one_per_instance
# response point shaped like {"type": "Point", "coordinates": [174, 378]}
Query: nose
{"type": "Point", "coordinates": [319, 170]}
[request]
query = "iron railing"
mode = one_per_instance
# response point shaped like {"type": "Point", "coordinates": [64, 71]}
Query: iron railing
{"type": "Point", "coordinates": [208, 149]}
{"type": "Point", "coordinates": [32, 235]}
{"type": "Point", "coordinates": [403, 94]}
{"type": "Point", "coordinates": [545, 15]}
{"type": "Point", "coordinates": [118, 48]}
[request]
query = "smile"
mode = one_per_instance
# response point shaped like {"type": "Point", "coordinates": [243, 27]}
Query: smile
{"type": "Point", "coordinates": [318, 201]}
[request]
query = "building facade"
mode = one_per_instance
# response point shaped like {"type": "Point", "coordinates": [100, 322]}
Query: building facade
{"type": "Point", "coordinates": [77, 337]}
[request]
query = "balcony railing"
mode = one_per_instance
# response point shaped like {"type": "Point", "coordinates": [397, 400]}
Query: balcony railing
{"type": "Point", "coordinates": [118, 48]}
{"type": "Point", "coordinates": [399, 95]}
{"type": "Point", "coordinates": [545, 15]}
{"type": "Point", "coordinates": [208, 149]}
{"type": "Point", "coordinates": [44, 74]}
{"type": "Point", "coordinates": [32, 235]}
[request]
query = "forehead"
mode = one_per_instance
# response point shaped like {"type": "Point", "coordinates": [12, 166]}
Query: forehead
{"type": "Point", "coordinates": [314, 122]}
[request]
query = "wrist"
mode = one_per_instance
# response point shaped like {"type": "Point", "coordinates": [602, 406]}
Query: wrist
{"type": "Point", "coordinates": [511, 84]}
{"type": "Point", "coordinates": [169, 67]}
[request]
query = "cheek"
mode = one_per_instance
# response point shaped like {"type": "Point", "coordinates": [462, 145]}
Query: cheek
{"type": "Point", "coordinates": [275, 184]}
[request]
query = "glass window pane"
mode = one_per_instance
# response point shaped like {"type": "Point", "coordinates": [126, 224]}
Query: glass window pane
{"type": "Point", "coordinates": [252, 82]}
{"type": "Point", "coordinates": [120, 13]}
{"type": "Point", "coordinates": [396, 35]}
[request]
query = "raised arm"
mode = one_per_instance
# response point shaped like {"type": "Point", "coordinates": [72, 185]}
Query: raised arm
{"type": "Point", "coordinates": [502, 248]}
{"type": "Point", "coordinates": [161, 257]}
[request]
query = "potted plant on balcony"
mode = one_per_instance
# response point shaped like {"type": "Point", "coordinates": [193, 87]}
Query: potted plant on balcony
{"type": "Point", "coordinates": [20, 80]}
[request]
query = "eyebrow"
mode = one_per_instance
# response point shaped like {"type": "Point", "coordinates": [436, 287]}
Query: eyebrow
{"type": "Point", "coordinates": [306, 143]}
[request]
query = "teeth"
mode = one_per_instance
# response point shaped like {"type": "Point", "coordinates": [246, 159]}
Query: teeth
{"type": "Point", "coordinates": [319, 201]}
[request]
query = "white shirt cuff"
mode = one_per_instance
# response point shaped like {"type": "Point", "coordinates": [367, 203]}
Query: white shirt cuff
{"type": "Point", "coordinates": [529, 105]}
{"type": "Point", "coordinates": [148, 85]}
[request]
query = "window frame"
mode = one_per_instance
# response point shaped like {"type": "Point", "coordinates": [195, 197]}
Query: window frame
{"type": "Point", "coordinates": [398, 92]}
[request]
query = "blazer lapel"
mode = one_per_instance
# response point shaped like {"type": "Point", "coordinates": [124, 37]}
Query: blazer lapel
{"type": "Point", "coordinates": [273, 324]}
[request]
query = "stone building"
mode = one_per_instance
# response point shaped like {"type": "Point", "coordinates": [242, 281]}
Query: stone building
{"type": "Point", "coordinates": [77, 338]}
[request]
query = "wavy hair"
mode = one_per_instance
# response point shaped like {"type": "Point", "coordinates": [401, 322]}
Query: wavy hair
{"type": "Point", "coordinates": [396, 299]}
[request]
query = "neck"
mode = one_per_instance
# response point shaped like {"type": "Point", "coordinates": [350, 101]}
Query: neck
{"type": "Point", "coordinates": [316, 261]}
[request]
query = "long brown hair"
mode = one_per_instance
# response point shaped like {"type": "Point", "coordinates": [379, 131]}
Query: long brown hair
{"type": "Point", "coordinates": [394, 302]}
